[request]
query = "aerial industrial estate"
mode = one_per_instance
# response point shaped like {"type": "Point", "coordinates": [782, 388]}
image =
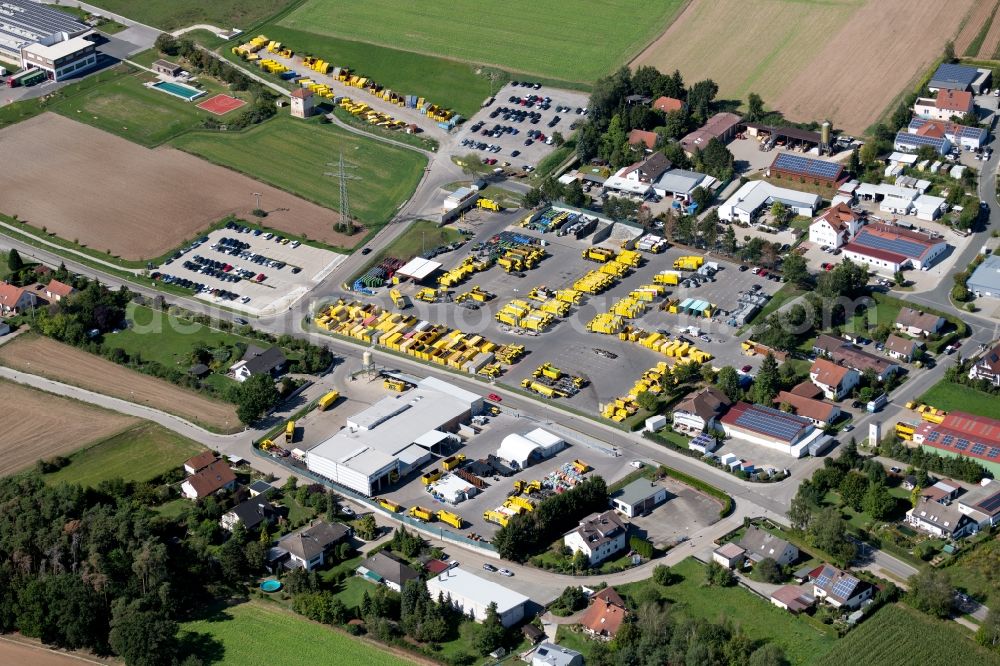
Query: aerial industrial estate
{"type": "Point", "coordinates": [329, 335]}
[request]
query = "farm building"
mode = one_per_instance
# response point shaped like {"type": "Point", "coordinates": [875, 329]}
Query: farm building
{"type": "Point", "coordinates": [961, 434]}
{"type": "Point", "coordinates": [598, 536]}
{"type": "Point", "coordinates": [946, 104]}
{"type": "Point", "coordinates": [680, 184]}
{"type": "Point", "coordinates": [964, 136]}
{"type": "Point", "coordinates": [835, 227]}
{"type": "Point", "coordinates": [951, 76]}
{"type": "Point", "coordinates": [523, 450]}
{"type": "Point", "coordinates": [639, 497]}
{"type": "Point", "coordinates": [25, 22]}
{"type": "Point", "coordinates": [770, 427]}
{"type": "Point", "coordinates": [985, 280]}
{"type": "Point", "coordinates": [755, 195]}
{"type": "Point", "coordinates": [470, 593]}
{"type": "Point", "coordinates": [393, 437]}
{"type": "Point", "coordinates": [721, 126]}
{"type": "Point", "coordinates": [889, 248]}
{"type": "Point", "coordinates": [806, 169]}
{"type": "Point", "coordinates": [786, 136]}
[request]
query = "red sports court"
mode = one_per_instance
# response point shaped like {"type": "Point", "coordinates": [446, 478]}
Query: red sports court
{"type": "Point", "coordinates": [220, 105]}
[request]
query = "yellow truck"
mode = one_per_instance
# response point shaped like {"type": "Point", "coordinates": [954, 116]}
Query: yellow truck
{"type": "Point", "coordinates": [547, 370]}
{"type": "Point", "coordinates": [452, 519]}
{"type": "Point", "coordinates": [420, 513]}
{"type": "Point", "coordinates": [289, 432]}
{"type": "Point", "coordinates": [599, 254]}
{"type": "Point", "coordinates": [496, 517]}
{"type": "Point", "coordinates": [451, 462]}
{"type": "Point", "coordinates": [327, 400]}
{"type": "Point", "coordinates": [398, 299]}
{"type": "Point", "coordinates": [389, 505]}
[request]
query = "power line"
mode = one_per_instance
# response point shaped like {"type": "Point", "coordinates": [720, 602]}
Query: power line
{"type": "Point", "coordinates": [346, 224]}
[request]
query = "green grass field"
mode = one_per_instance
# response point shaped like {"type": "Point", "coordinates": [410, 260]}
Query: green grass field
{"type": "Point", "coordinates": [801, 641]}
{"type": "Point", "coordinates": [168, 339]}
{"type": "Point", "coordinates": [293, 155]}
{"type": "Point", "coordinates": [182, 13]}
{"type": "Point", "coordinates": [420, 236]}
{"type": "Point", "coordinates": [896, 634]}
{"type": "Point", "coordinates": [138, 454]}
{"type": "Point", "coordinates": [544, 37]}
{"type": "Point", "coordinates": [446, 82]}
{"type": "Point", "coordinates": [258, 634]}
{"type": "Point", "coordinates": [123, 106]}
{"type": "Point", "coordinates": [949, 397]}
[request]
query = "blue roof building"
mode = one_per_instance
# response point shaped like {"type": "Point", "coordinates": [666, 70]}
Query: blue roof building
{"type": "Point", "coordinates": [951, 76]}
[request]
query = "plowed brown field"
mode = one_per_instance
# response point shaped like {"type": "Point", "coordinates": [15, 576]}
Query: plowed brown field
{"type": "Point", "coordinates": [842, 60]}
{"type": "Point", "coordinates": [42, 356]}
{"type": "Point", "coordinates": [111, 194]}
{"type": "Point", "coordinates": [41, 425]}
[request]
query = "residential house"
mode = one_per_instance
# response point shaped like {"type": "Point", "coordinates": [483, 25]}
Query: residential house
{"type": "Point", "coordinates": [760, 545]}
{"type": "Point", "coordinates": [820, 413]}
{"type": "Point", "coordinates": [638, 138]}
{"type": "Point", "coordinates": [857, 359]}
{"type": "Point", "coordinates": [549, 654]}
{"type": "Point", "coordinates": [987, 367]}
{"type": "Point", "coordinates": [604, 615]}
{"type": "Point", "coordinates": [251, 513]}
{"type": "Point", "coordinates": [982, 505]}
{"type": "Point", "coordinates": [840, 589]}
{"type": "Point", "coordinates": [55, 291]}
{"type": "Point", "coordinates": [835, 227]}
{"type": "Point", "coordinates": [598, 536]}
{"type": "Point", "coordinates": [199, 462]}
{"type": "Point", "coordinates": [257, 360]}
{"type": "Point", "coordinates": [945, 521]}
{"type": "Point", "coordinates": [209, 480]}
{"type": "Point", "coordinates": [835, 381]}
{"type": "Point", "coordinates": [946, 104]}
{"type": "Point", "coordinates": [792, 598]}
{"type": "Point", "coordinates": [667, 104]}
{"type": "Point", "coordinates": [14, 300]}
{"type": "Point", "coordinates": [917, 323]}
{"type": "Point", "coordinates": [825, 345]}
{"type": "Point", "coordinates": [307, 548]}
{"type": "Point", "coordinates": [700, 410]}
{"type": "Point", "coordinates": [386, 568]}
{"type": "Point", "coordinates": [902, 349]}
{"type": "Point", "coordinates": [730, 555]}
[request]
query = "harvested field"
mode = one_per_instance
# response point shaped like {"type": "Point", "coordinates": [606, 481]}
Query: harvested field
{"type": "Point", "coordinates": [48, 358]}
{"type": "Point", "coordinates": [66, 426]}
{"type": "Point", "coordinates": [136, 202]}
{"type": "Point", "coordinates": [991, 43]}
{"type": "Point", "coordinates": [793, 53]}
{"type": "Point", "coordinates": [977, 18]}
{"type": "Point", "coordinates": [15, 652]}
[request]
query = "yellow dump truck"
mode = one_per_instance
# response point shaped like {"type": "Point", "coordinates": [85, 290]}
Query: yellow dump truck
{"type": "Point", "coordinates": [452, 519]}
{"type": "Point", "coordinates": [327, 400]}
{"type": "Point", "coordinates": [420, 513]}
{"type": "Point", "coordinates": [389, 505]}
{"type": "Point", "coordinates": [398, 299]}
{"type": "Point", "coordinates": [289, 432]}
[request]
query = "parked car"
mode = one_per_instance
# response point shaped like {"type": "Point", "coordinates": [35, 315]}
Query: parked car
{"type": "Point", "coordinates": [506, 572]}
{"type": "Point", "coordinates": [489, 567]}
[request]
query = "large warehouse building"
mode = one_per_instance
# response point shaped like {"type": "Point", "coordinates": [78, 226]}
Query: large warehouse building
{"type": "Point", "coordinates": [961, 434]}
{"type": "Point", "coordinates": [394, 436]}
{"type": "Point", "coordinates": [24, 22]}
{"type": "Point", "coordinates": [755, 195]}
{"type": "Point", "coordinates": [770, 427]}
{"type": "Point", "coordinates": [889, 248]}
{"type": "Point", "coordinates": [472, 594]}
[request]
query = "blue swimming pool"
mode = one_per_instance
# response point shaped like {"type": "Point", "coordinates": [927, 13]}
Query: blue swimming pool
{"type": "Point", "coordinates": [187, 93]}
{"type": "Point", "coordinates": [271, 585]}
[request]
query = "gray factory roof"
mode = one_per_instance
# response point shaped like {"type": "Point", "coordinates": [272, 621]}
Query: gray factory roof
{"type": "Point", "coordinates": [986, 277]}
{"type": "Point", "coordinates": [25, 22]}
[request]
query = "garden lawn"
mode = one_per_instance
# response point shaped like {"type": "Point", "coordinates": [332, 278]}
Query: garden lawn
{"type": "Point", "coordinates": [138, 454]}
{"type": "Point", "coordinates": [454, 85]}
{"type": "Point", "coordinates": [169, 339]}
{"type": "Point", "coordinates": [801, 641]}
{"type": "Point", "coordinates": [882, 312]}
{"type": "Point", "coordinates": [543, 37]}
{"type": "Point", "coordinates": [257, 634]}
{"type": "Point", "coordinates": [294, 155]}
{"type": "Point", "coordinates": [896, 633]}
{"type": "Point", "coordinates": [175, 14]}
{"type": "Point", "coordinates": [122, 105]}
{"type": "Point", "coordinates": [420, 236]}
{"type": "Point", "coordinates": [949, 397]}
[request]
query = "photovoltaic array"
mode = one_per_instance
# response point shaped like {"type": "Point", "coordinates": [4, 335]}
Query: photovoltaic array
{"type": "Point", "coordinates": [807, 166]}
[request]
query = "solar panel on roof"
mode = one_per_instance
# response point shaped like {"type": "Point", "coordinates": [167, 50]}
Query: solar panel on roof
{"type": "Point", "coordinates": [962, 444]}
{"type": "Point", "coordinates": [933, 437]}
{"type": "Point", "coordinates": [994, 452]}
{"type": "Point", "coordinates": [978, 449]}
{"type": "Point", "coordinates": [844, 587]}
{"type": "Point", "coordinates": [947, 440]}
{"type": "Point", "coordinates": [823, 579]}
{"type": "Point", "coordinates": [991, 503]}
{"type": "Point", "coordinates": [807, 166]}
{"type": "Point", "coordinates": [902, 246]}
{"type": "Point", "coordinates": [917, 140]}
{"type": "Point", "coordinates": [770, 422]}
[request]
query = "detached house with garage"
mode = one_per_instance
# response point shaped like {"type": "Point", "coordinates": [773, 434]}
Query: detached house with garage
{"type": "Point", "coordinates": [605, 615]}
{"type": "Point", "coordinates": [917, 323]}
{"type": "Point", "coordinates": [14, 300]}
{"type": "Point", "coordinates": [209, 480]}
{"type": "Point", "coordinates": [948, 103]}
{"type": "Point", "coordinates": [839, 588]}
{"type": "Point", "coordinates": [598, 536]}
{"type": "Point", "coordinates": [902, 349]}
{"type": "Point", "coordinates": [760, 545]}
{"type": "Point", "coordinates": [257, 360]}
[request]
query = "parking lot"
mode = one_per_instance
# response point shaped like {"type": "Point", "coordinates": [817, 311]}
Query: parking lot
{"type": "Point", "coordinates": [568, 344]}
{"type": "Point", "coordinates": [685, 512]}
{"type": "Point", "coordinates": [518, 126]}
{"type": "Point", "coordinates": [250, 270]}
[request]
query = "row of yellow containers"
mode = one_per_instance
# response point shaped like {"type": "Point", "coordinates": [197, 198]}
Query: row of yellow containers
{"type": "Point", "coordinates": [406, 334]}
{"type": "Point", "coordinates": [652, 380]}
{"type": "Point", "coordinates": [664, 345]}
{"type": "Point", "coordinates": [462, 272]}
{"type": "Point", "coordinates": [606, 323]}
{"type": "Point", "coordinates": [254, 45]}
{"type": "Point", "coordinates": [594, 282]}
{"type": "Point", "coordinates": [272, 66]}
{"type": "Point", "coordinates": [521, 314]}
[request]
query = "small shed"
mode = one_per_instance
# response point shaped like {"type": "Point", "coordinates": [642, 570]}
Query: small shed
{"type": "Point", "coordinates": [167, 68]}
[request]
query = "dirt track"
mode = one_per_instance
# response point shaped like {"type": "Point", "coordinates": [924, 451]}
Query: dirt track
{"type": "Point", "coordinates": [45, 357]}
{"type": "Point", "coordinates": [812, 61]}
{"type": "Point", "coordinates": [108, 193]}
{"type": "Point", "coordinates": [41, 425]}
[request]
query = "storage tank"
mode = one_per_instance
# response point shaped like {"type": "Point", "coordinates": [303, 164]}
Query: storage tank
{"type": "Point", "coordinates": [824, 133]}
{"type": "Point", "coordinates": [366, 360]}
